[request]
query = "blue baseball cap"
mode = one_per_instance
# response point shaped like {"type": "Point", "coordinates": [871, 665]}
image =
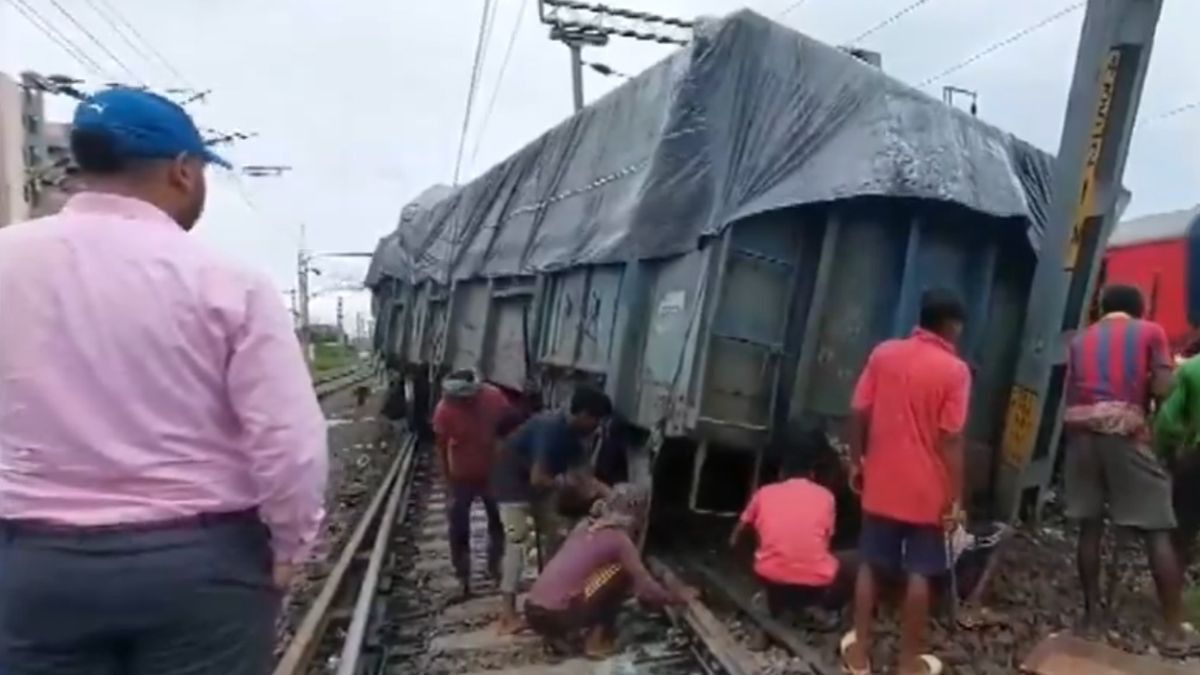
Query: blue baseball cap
{"type": "Point", "coordinates": [144, 125]}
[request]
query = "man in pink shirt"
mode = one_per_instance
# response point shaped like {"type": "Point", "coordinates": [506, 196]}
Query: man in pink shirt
{"type": "Point", "coordinates": [794, 520]}
{"type": "Point", "coordinates": [162, 453]}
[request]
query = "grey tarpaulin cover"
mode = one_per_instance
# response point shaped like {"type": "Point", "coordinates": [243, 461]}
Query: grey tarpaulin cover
{"type": "Point", "coordinates": [752, 116]}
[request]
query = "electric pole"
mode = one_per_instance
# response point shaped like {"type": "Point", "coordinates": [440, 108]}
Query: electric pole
{"type": "Point", "coordinates": [302, 272]}
{"type": "Point", "coordinates": [340, 319]}
{"type": "Point", "coordinates": [579, 24]}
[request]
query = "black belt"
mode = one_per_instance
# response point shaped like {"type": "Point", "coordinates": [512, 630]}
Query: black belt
{"type": "Point", "coordinates": [200, 520]}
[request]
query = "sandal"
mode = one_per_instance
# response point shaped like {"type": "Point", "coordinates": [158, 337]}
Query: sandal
{"type": "Point", "coordinates": [1185, 646]}
{"type": "Point", "coordinates": [848, 641]}
{"type": "Point", "coordinates": [933, 665]}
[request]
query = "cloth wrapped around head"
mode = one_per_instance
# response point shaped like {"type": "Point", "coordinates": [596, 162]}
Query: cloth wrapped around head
{"type": "Point", "coordinates": [624, 508]}
{"type": "Point", "coordinates": [460, 384]}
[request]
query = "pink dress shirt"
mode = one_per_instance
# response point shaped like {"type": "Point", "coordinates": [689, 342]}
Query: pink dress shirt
{"type": "Point", "coordinates": [143, 379]}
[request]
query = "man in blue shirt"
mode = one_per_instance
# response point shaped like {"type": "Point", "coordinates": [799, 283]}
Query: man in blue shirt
{"type": "Point", "coordinates": [544, 460]}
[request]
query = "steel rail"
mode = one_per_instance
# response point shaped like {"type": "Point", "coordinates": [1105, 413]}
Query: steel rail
{"type": "Point", "coordinates": [397, 506]}
{"type": "Point", "coordinates": [302, 648]}
{"type": "Point", "coordinates": [732, 657]}
{"type": "Point", "coordinates": [328, 387]}
{"type": "Point", "coordinates": [777, 631]}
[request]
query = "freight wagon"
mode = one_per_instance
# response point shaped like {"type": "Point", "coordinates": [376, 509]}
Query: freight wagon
{"type": "Point", "coordinates": [1160, 254]}
{"type": "Point", "coordinates": [719, 243]}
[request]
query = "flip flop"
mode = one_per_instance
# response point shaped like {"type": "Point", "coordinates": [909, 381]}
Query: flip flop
{"type": "Point", "coordinates": [1187, 646]}
{"type": "Point", "coordinates": [848, 641]}
{"type": "Point", "coordinates": [933, 665]}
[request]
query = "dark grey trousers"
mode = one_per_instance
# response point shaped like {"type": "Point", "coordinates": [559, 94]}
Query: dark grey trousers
{"type": "Point", "coordinates": [197, 600]}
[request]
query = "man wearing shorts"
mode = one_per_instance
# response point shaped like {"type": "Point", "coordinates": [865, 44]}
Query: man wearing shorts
{"type": "Point", "coordinates": [905, 433]}
{"type": "Point", "coordinates": [1116, 367]}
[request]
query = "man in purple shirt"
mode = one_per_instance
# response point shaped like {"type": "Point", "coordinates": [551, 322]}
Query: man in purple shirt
{"type": "Point", "coordinates": [162, 453]}
{"type": "Point", "coordinates": [581, 591]}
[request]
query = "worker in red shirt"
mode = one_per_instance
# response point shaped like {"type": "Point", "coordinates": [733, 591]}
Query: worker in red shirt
{"type": "Point", "coordinates": [906, 446]}
{"type": "Point", "coordinates": [794, 520]}
{"type": "Point", "coordinates": [467, 424]}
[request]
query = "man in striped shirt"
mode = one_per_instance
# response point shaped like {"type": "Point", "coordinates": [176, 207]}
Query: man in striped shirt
{"type": "Point", "coordinates": [1117, 367]}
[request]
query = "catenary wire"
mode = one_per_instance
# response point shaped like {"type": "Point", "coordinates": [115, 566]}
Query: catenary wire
{"type": "Point", "coordinates": [65, 43]}
{"type": "Point", "coordinates": [912, 7]}
{"type": "Point", "coordinates": [91, 36]}
{"type": "Point", "coordinates": [1178, 110]}
{"type": "Point", "coordinates": [122, 33]}
{"type": "Point", "coordinates": [480, 46]}
{"type": "Point", "coordinates": [487, 115]}
{"type": "Point", "coordinates": [791, 8]}
{"type": "Point", "coordinates": [997, 46]}
{"type": "Point", "coordinates": [149, 45]}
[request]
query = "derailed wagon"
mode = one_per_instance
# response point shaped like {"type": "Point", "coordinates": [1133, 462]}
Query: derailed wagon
{"type": "Point", "coordinates": [719, 243]}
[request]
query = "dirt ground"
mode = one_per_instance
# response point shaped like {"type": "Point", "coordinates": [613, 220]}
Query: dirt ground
{"type": "Point", "coordinates": [1034, 593]}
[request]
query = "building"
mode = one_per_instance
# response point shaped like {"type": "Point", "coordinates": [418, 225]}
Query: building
{"type": "Point", "coordinates": [13, 203]}
{"type": "Point", "coordinates": [54, 181]}
{"type": "Point", "coordinates": [35, 162]}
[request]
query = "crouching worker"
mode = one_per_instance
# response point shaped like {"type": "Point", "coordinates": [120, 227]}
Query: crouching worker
{"type": "Point", "coordinates": [579, 594]}
{"type": "Point", "coordinates": [794, 520]}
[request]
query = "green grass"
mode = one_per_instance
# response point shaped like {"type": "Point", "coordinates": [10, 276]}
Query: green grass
{"type": "Point", "coordinates": [1192, 599]}
{"type": "Point", "coordinates": [332, 356]}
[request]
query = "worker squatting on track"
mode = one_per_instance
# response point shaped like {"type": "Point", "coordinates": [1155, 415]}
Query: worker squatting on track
{"type": "Point", "coordinates": [793, 520]}
{"type": "Point", "coordinates": [162, 453]}
{"type": "Point", "coordinates": [579, 594]}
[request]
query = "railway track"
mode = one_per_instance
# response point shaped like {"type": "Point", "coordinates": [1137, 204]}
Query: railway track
{"type": "Point", "coordinates": [340, 380]}
{"type": "Point", "coordinates": [385, 606]}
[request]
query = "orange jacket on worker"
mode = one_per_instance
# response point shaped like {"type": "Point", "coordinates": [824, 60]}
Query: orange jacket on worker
{"type": "Point", "coordinates": [469, 428]}
{"type": "Point", "coordinates": [794, 521]}
{"type": "Point", "coordinates": [915, 390]}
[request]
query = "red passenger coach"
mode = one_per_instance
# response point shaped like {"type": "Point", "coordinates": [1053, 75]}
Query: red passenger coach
{"type": "Point", "coordinates": [1160, 254]}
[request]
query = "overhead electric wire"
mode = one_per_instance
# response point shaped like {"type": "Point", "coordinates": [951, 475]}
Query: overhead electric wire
{"type": "Point", "coordinates": [49, 30]}
{"type": "Point", "coordinates": [886, 22]}
{"type": "Point", "coordinates": [487, 115]}
{"type": "Point", "coordinates": [240, 185]}
{"type": "Point", "coordinates": [480, 48]}
{"type": "Point", "coordinates": [1179, 110]}
{"type": "Point", "coordinates": [791, 8]}
{"type": "Point", "coordinates": [149, 45]}
{"type": "Point", "coordinates": [1169, 113]}
{"type": "Point", "coordinates": [137, 49]}
{"type": "Point", "coordinates": [487, 37]}
{"type": "Point", "coordinates": [104, 48]}
{"type": "Point", "coordinates": [995, 47]}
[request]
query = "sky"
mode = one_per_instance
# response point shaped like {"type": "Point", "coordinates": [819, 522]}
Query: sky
{"type": "Point", "coordinates": [365, 99]}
